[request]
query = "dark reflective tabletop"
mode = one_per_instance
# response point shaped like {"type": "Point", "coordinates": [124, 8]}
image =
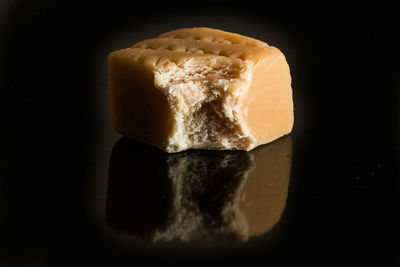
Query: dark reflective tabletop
{"type": "Point", "coordinates": [196, 195]}
{"type": "Point", "coordinates": [75, 193]}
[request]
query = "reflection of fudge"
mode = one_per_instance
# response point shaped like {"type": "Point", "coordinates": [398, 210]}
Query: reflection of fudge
{"type": "Point", "coordinates": [204, 189]}
{"type": "Point", "coordinates": [197, 194]}
{"type": "Point", "coordinates": [264, 193]}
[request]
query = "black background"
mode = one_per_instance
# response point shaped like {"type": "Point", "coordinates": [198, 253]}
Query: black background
{"type": "Point", "coordinates": [55, 139]}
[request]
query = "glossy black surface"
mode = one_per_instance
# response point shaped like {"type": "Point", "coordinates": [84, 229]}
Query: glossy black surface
{"type": "Point", "coordinates": [56, 144]}
{"type": "Point", "coordinates": [196, 195]}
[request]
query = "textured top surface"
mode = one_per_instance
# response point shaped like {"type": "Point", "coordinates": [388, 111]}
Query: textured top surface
{"type": "Point", "coordinates": [206, 43]}
{"type": "Point", "coordinates": [213, 35]}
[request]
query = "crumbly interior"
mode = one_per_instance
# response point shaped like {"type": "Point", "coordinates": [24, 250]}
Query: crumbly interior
{"type": "Point", "coordinates": [203, 95]}
{"type": "Point", "coordinates": [206, 189]}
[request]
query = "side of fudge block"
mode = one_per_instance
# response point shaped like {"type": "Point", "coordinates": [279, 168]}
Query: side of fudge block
{"type": "Point", "coordinates": [138, 109]}
{"type": "Point", "coordinates": [267, 105]}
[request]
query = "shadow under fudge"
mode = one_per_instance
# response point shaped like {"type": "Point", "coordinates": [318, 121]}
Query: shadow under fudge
{"type": "Point", "coordinates": [197, 194]}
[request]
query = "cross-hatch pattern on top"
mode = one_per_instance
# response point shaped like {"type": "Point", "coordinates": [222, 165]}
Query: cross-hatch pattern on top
{"type": "Point", "coordinates": [204, 44]}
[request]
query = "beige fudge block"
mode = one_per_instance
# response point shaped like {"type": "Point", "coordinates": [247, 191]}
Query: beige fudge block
{"type": "Point", "coordinates": [200, 88]}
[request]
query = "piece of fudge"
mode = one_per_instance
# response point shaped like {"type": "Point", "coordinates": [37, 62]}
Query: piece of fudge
{"type": "Point", "coordinates": [200, 88]}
